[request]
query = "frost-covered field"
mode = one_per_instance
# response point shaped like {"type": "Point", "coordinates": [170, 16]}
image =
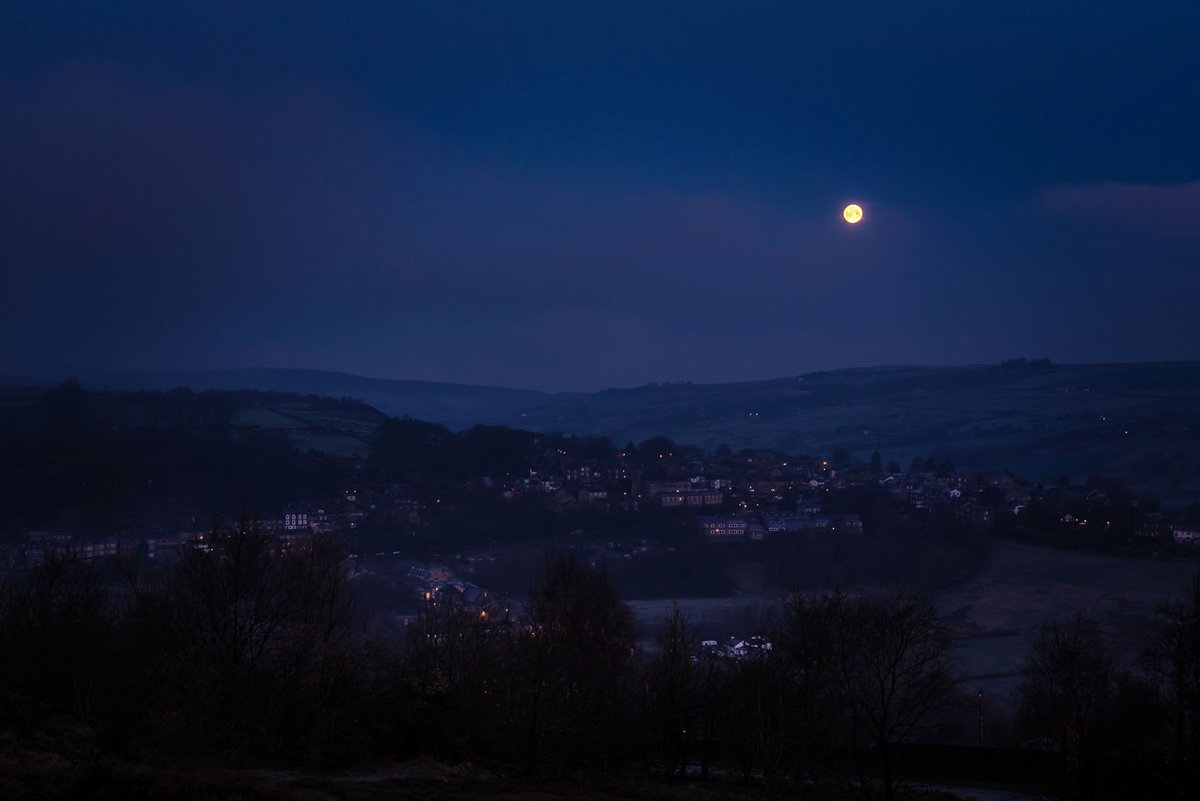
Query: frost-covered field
{"type": "Point", "coordinates": [993, 614]}
{"type": "Point", "coordinates": [1024, 586]}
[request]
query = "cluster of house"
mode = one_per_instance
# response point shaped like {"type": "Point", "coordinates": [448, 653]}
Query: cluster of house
{"type": "Point", "coordinates": [757, 526]}
{"type": "Point", "coordinates": [737, 648]}
{"type": "Point", "coordinates": [436, 586]}
{"type": "Point", "coordinates": [739, 496]}
{"type": "Point", "coordinates": [1159, 527]}
{"type": "Point", "coordinates": [289, 530]}
{"type": "Point", "coordinates": [39, 546]}
{"type": "Point", "coordinates": [291, 527]}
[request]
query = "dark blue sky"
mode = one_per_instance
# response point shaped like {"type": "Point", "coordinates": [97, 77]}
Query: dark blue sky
{"type": "Point", "coordinates": [575, 196]}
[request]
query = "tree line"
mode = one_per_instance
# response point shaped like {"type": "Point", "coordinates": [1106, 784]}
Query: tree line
{"type": "Point", "coordinates": [243, 654]}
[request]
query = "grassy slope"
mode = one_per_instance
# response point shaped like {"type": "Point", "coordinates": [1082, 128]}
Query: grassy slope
{"type": "Point", "coordinates": [1037, 421]}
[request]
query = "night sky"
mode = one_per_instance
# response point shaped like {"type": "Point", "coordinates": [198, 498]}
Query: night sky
{"type": "Point", "coordinates": [570, 195]}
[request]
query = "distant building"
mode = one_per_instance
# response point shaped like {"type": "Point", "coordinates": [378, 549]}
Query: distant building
{"type": "Point", "coordinates": [430, 573]}
{"type": "Point", "coordinates": [295, 521]}
{"type": "Point", "coordinates": [786, 521]}
{"type": "Point", "coordinates": [705, 497]}
{"type": "Point", "coordinates": [163, 549]}
{"type": "Point", "coordinates": [657, 488]}
{"type": "Point", "coordinates": [1186, 535]}
{"type": "Point", "coordinates": [795, 522]}
{"type": "Point", "coordinates": [723, 528]}
{"type": "Point", "coordinates": [90, 551]}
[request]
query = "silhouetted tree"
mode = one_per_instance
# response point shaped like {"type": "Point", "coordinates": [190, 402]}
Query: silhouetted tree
{"type": "Point", "coordinates": [810, 639]}
{"type": "Point", "coordinates": [56, 634]}
{"type": "Point", "coordinates": [1173, 656]}
{"type": "Point", "coordinates": [1065, 694]}
{"type": "Point", "coordinates": [653, 447]}
{"type": "Point", "coordinates": [567, 698]}
{"type": "Point", "coordinates": [454, 660]}
{"type": "Point", "coordinates": [671, 684]}
{"type": "Point", "coordinates": [759, 726]}
{"type": "Point", "coordinates": [893, 655]}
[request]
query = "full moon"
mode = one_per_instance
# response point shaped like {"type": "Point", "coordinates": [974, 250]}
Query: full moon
{"type": "Point", "coordinates": [852, 213]}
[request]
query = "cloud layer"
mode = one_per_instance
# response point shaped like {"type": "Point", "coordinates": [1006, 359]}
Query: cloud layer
{"type": "Point", "coordinates": [167, 224]}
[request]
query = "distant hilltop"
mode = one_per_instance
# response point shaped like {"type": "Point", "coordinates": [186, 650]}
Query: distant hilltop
{"type": "Point", "coordinates": [454, 405]}
{"type": "Point", "coordinates": [1139, 422]}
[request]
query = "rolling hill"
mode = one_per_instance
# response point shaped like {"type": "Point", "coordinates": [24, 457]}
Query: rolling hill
{"type": "Point", "coordinates": [1139, 422]}
{"type": "Point", "coordinates": [454, 405]}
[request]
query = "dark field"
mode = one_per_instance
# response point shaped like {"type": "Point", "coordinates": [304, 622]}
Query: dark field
{"type": "Point", "coordinates": [994, 613]}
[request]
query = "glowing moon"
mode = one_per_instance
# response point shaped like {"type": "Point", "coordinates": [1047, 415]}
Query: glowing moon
{"type": "Point", "coordinates": [852, 213]}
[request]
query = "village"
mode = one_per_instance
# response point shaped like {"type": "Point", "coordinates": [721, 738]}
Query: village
{"type": "Point", "coordinates": [401, 535]}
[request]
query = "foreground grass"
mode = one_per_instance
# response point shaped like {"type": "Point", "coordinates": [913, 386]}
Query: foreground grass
{"type": "Point", "coordinates": [48, 756]}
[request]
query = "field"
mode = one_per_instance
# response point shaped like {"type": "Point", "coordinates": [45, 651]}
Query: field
{"type": "Point", "coordinates": [993, 614]}
{"type": "Point", "coordinates": [1024, 586]}
{"type": "Point", "coordinates": [714, 618]}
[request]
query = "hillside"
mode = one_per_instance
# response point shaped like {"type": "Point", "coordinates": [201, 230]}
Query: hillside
{"type": "Point", "coordinates": [1140, 422]}
{"type": "Point", "coordinates": [453, 405]}
{"type": "Point", "coordinates": [1137, 422]}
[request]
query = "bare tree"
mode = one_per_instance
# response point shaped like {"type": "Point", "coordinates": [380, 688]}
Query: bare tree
{"type": "Point", "coordinates": [810, 639]}
{"type": "Point", "coordinates": [218, 627]}
{"type": "Point", "coordinates": [1173, 657]}
{"type": "Point", "coordinates": [671, 682]}
{"type": "Point", "coordinates": [1065, 694]}
{"type": "Point", "coordinates": [759, 727]}
{"type": "Point", "coordinates": [315, 661]}
{"type": "Point", "coordinates": [712, 682]}
{"type": "Point", "coordinates": [55, 633]}
{"type": "Point", "coordinates": [896, 683]}
{"type": "Point", "coordinates": [568, 687]}
{"type": "Point", "coordinates": [454, 660]}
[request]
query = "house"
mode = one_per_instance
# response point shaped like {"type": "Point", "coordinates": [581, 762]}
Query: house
{"type": "Point", "coordinates": [93, 550]}
{"type": "Point", "coordinates": [809, 506]}
{"type": "Point", "coordinates": [291, 540]}
{"type": "Point", "coordinates": [703, 498]}
{"type": "Point", "coordinates": [786, 521]}
{"type": "Point", "coordinates": [295, 520]}
{"type": "Point", "coordinates": [1153, 526]}
{"type": "Point", "coordinates": [723, 528]}
{"type": "Point", "coordinates": [430, 573]}
{"type": "Point", "coordinates": [848, 524]}
{"type": "Point", "coordinates": [581, 473]}
{"type": "Point", "coordinates": [1186, 535]}
{"type": "Point", "coordinates": [737, 648]}
{"type": "Point", "coordinates": [161, 549]}
{"type": "Point", "coordinates": [657, 488]}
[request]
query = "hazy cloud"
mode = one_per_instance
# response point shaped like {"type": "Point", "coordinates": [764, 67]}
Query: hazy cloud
{"type": "Point", "coordinates": [160, 223]}
{"type": "Point", "coordinates": [1150, 211]}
